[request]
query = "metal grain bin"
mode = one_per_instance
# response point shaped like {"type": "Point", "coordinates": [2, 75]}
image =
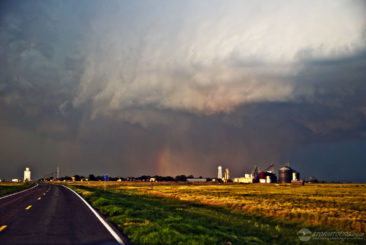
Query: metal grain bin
{"type": "Point", "coordinates": [285, 174]}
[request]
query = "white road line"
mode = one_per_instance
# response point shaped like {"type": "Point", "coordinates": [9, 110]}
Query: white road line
{"type": "Point", "coordinates": [106, 225]}
{"type": "Point", "coordinates": [18, 192]}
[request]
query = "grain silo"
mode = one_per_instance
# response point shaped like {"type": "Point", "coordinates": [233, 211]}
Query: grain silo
{"type": "Point", "coordinates": [219, 172]}
{"type": "Point", "coordinates": [227, 175]}
{"type": "Point", "coordinates": [285, 174]}
{"type": "Point", "coordinates": [27, 174]}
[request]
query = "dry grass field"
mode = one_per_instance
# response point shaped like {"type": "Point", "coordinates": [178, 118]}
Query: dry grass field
{"type": "Point", "coordinates": [339, 205]}
{"type": "Point", "coordinates": [270, 210]}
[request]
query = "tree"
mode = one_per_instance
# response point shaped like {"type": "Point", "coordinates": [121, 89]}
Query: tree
{"type": "Point", "coordinates": [77, 177]}
{"type": "Point", "coordinates": [92, 177]}
{"type": "Point", "coordinates": [143, 178]}
{"type": "Point", "coordinates": [180, 178]}
{"type": "Point", "coordinates": [168, 178]}
{"type": "Point", "coordinates": [68, 178]}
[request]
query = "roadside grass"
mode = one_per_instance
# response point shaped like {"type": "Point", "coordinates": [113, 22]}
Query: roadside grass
{"type": "Point", "coordinates": [8, 187]}
{"type": "Point", "coordinates": [342, 206]}
{"type": "Point", "coordinates": [150, 219]}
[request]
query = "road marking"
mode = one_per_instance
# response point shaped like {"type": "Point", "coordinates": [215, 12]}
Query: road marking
{"type": "Point", "coordinates": [2, 227]}
{"type": "Point", "coordinates": [106, 225]}
{"type": "Point", "coordinates": [28, 207]}
{"type": "Point", "coordinates": [39, 198]}
{"type": "Point", "coordinates": [19, 192]}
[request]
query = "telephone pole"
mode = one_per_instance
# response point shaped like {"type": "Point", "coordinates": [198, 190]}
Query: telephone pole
{"type": "Point", "coordinates": [57, 173]}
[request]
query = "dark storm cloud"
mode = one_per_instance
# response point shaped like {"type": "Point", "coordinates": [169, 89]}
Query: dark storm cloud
{"type": "Point", "coordinates": [40, 56]}
{"type": "Point", "coordinates": [114, 87]}
{"type": "Point", "coordinates": [335, 90]}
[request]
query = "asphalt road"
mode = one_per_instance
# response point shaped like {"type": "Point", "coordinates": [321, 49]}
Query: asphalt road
{"type": "Point", "coordinates": [50, 214]}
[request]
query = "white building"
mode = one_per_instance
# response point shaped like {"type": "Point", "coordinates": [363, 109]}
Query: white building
{"type": "Point", "coordinates": [196, 180]}
{"type": "Point", "coordinates": [27, 174]}
{"type": "Point", "coordinates": [248, 178]}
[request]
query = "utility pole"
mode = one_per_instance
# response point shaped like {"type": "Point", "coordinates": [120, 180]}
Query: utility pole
{"type": "Point", "coordinates": [57, 173]}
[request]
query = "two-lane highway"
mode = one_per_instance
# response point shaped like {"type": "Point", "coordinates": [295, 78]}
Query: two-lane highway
{"type": "Point", "coordinates": [50, 214]}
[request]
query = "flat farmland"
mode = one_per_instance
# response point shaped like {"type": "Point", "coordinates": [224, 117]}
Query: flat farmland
{"type": "Point", "coordinates": [11, 187]}
{"type": "Point", "coordinates": [182, 213]}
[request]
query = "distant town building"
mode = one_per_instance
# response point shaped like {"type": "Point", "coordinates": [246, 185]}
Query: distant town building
{"type": "Point", "coordinates": [219, 172]}
{"type": "Point", "coordinates": [27, 174]}
{"type": "Point", "coordinates": [267, 177]}
{"type": "Point", "coordinates": [248, 178]}
{"type": "Point", "coordinates": [196, 180]}
{"type": "Point", "coordinates": [239, 180]}
{"type": "Point", "coordinates": [296, 179]}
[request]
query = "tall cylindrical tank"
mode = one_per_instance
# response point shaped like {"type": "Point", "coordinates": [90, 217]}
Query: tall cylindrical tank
{"type": "Point", "coordinates": [268, 179]}
{"type": "Point", "coordinates": [285, 174]}
{"type": "Point", "coordinates": [227, 174]}
{"type": "Point", "coordinates": [219, 172]}
{"type": "Point", "coordinates": [27, 174]}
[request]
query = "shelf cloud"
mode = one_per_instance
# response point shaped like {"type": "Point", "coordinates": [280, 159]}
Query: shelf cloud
{"type": "Point", "coordinates": [210, 58]}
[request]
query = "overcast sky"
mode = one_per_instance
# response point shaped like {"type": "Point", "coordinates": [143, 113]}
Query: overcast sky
{"type": "Point", "coordinates": [179, 87]}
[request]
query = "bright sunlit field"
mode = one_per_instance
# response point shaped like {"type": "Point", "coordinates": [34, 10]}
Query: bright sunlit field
{"type": "Point", "coordinates": [173, 213]}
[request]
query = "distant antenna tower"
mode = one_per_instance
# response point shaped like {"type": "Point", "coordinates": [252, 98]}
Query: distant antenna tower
{"type": "Point", "coordinates": [58, 172]}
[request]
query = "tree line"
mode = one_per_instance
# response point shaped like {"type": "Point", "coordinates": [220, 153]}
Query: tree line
{"type": "Point", "coordinates": [142, 178]}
